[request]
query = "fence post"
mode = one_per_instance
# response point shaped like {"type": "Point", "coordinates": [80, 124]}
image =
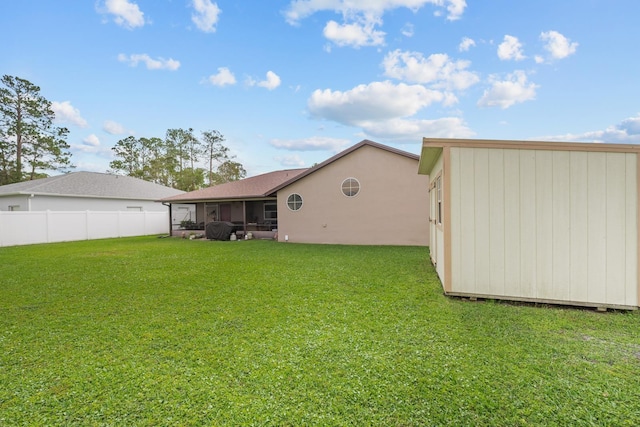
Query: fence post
{"type": "Point", "coordinates": [2, 216]}
{"type": "Point", "coordinates": [48, 225]}
{"type": "Point", "coordinates": [86, 225]}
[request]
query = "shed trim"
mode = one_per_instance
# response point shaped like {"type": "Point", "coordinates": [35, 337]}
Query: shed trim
{"type": "Point", "coordinates": [638, 226]}
{"type": "Point", "coordinates": [446, 182]}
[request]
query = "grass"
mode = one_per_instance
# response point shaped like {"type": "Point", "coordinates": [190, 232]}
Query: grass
{"type": "Point", "coordinates": [148, 331]}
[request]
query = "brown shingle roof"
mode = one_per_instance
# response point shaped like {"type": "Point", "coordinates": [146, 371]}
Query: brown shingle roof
{"type": "Point", "coordinates": [248, 188]}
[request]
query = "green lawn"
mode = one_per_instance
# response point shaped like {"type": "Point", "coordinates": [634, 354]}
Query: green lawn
{"type": "Point", "coordinates": [150, 332]}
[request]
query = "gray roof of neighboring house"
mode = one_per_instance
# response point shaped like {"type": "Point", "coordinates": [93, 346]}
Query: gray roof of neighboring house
{"type": "Point", "coordinates": [91, 184]}
{"type": "Point", "coordinates": [255, 187]}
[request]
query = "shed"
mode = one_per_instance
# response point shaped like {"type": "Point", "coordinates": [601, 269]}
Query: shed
{"type": "Point", "coordinates": [535, 221]}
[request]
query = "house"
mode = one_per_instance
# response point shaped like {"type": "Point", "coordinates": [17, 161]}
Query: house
{"type": "Point", "coordinates": [368, 194]}
{"type": "Point", "coordinates": [535, 221]}
{"type": "Point", "coordinates": [82, 206]}
{"type": "Point", "coordinates": [250, 203]}
{"type": "Point", "coordinates": [80, 191]}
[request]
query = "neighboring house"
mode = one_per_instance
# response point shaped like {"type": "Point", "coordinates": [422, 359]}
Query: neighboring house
{"type": "Point", "coordinates": [535, 221]}
{"type": "Point", "coordinates": [369, 194]}
{"type": "Point", "coordinates": [81, 191]}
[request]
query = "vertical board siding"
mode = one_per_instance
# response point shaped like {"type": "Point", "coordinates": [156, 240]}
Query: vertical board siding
{"type": "Point", "coordinates": [528, 223]}
{"type": "Point", "coordinates": [467, 222]}
{"type": "Point", "coordinates": [631, 229]}
{"type": "Point", "coordinates": [561, 226]}
{"type": "Point", "coordinates": [481, 197]}
{"type": "Point", "coordinates": [437, 233]}
{"type": "Point", "coordinates": [456, 243]}
{"type": "Point", "coordinates": [615, 227]}
{"type": "Point", "coordinates": [579, 236]}
{"type": "Point", "coordinates": [512, 223]}
{"type": "Point", "coordinates": [497, 224]}
{"type": "Point", "coordinates": [543, 224]}
{"type": "Point", "coordinates": [596, 227]}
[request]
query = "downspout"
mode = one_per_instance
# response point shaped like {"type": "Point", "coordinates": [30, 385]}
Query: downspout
{"type": "Point", "coordinates": [170, 220]}
{"type": "Point", "coordinates": [29, 202]}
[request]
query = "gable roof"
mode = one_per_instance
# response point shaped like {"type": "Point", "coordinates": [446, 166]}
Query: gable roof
{"type": "Point", "coordinates": [91, 184]}
{"type": "Point", "coordinates": [255, 187]}
{"type": "Point", "coordinates": [344, 153]}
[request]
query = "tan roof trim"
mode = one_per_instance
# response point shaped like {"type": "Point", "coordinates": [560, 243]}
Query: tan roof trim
{"type": "Point", "coordinates": [364, 142]}
{"type": "Point", "coordinates": [531, 145]}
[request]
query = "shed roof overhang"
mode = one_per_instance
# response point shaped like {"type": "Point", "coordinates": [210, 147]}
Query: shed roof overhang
{"type": "Point", "coordinates": [428, 159]}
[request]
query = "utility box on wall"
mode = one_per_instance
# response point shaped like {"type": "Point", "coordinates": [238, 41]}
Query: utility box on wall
{"type": "Point", "coordinates": [535, 221]}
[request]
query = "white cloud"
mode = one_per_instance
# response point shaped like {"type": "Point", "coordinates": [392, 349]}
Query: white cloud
{"type": "Point", "coordinates": [151, 64]}
{"type": "Point", "coordinates": [466, 44]}
{"type": "Point", "coordinates": [272, 81]}
{"type": "Point", "coordinates": [126, 13]}
{"type": "Point", "coordinates": [374, 101]}
{"type": "Point", "coordinates": [510, 48]}
{"type": "Point", "coordinates": [223, 78]}
{"type": "Point", "coordinates": [67, 113]}
{"type": "Point", "coordinates": [438, 70]}
{"type": "Point", "coordinates": [290, 161]}
{"type": "Point", "coordinates": [300, 9]}
{"type": "Point", "coordinates": [206, 15]}
{"type": "Point", "coordinates": [113, 128]}
{"type": "Point", "coordinates": [91, 140]}
{"type": "Point", "coordinates": [625, 132]}
{"type": "Point", "coordinates": [356, 34]}
{"type": "Point", "coordinates": [414, 129]}
{"type": "Point", "coordinates": [407, 30]}
{"type": "Point", "coordinates": [316, 143]}
{"type": "Point", "coordinates": [558, 45]}
{"type": "Point", "coordinates": [505, 93]}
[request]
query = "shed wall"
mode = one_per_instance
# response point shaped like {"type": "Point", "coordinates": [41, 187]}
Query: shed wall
{"type": "Point", "coordinates": [545, 225]}
{"type": "Point", "coordinates": [436, 231]}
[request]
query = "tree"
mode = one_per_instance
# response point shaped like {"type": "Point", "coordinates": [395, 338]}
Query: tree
{"type": "Point", "coordinates": [174, 160]}
{"type": "Point", "coordinates": [216, 153]}
{"type": "Point", "coordinates": [127, 151]}
{"type": "Point", "coordinates": [27, 134]}
{"type": "Point", "coordinates": [229, 171]}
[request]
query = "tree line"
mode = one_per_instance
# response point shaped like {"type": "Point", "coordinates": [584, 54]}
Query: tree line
{"type": "Point", "coordinates": [31, 145]}
{"type": "Point", "coordinates": [173, 161]}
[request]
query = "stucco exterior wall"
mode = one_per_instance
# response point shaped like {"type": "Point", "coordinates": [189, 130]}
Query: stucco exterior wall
{"type": "Point", "coordinates": [391, 208]}
{"type": "Point", "coordinates": [545, 225]}
{"type": "Point", "coordinates": [18, 203]}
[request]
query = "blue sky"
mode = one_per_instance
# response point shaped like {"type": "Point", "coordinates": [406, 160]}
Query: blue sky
{"type": "Point", "coordinates": [290, 83]}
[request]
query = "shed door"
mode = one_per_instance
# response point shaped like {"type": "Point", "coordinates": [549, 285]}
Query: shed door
{"type": "Point", "coordinates": [433, 241]}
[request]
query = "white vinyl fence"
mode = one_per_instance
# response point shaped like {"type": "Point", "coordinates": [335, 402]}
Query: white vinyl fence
{"type": "Point", "coordinates": [24, 228]}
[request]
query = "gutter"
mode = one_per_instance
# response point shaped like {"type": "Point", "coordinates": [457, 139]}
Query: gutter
{"type": "Point", "coordinates": [170, 221]}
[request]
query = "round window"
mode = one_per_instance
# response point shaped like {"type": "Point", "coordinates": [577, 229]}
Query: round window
{"type": "Point", "coordinates": [294, 201]}
{"type": "Point", "coordinates": [350, 187]}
